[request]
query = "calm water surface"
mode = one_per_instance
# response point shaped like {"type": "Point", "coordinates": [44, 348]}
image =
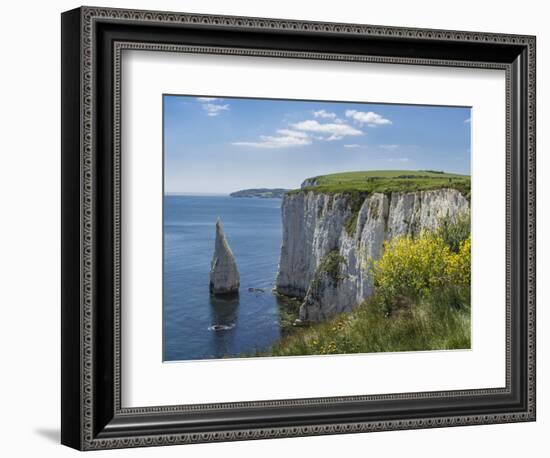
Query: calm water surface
{"type": "Point", "coordinates": [253, 230]}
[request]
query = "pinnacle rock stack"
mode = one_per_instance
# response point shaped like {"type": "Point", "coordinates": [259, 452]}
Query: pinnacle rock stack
{"type": "Point", "coordinates": [224, 276]}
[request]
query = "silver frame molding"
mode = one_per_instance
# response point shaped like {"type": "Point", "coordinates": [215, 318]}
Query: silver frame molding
{"type": "Point", "coordinates": [93, 417]}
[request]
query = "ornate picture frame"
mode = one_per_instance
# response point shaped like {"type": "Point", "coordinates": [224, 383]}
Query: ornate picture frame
{"type": "Point", "coordinates": [93, 416]}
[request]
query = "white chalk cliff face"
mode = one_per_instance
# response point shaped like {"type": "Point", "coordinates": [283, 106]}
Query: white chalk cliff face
{"type": "Point", "coordinates": [327, 247]}
{"type": "Point", "coordinates": [224, 276]}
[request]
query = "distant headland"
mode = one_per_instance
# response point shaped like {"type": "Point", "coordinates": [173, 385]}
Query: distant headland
{"type": "Point", "coordinates": [263, 193]}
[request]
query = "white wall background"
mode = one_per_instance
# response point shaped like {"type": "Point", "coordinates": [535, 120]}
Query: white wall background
{"type": "Point", "coordinates": [30, 214]}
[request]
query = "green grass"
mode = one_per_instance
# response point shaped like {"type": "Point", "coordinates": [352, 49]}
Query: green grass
{"type": "Point", "coordinates": [330, 265]}
{"type": "Point", "coordinates": [426, 325]}
{"type": "Point", "coordinates": [355, 202]}
{"type": "Point", "coordinates": [388, 181]}
{"type": "Point", "coordinates": [289, 311]}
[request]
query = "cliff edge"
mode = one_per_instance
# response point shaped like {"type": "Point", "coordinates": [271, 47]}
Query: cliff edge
{"type": "Point", "coordinates": [330, 239]}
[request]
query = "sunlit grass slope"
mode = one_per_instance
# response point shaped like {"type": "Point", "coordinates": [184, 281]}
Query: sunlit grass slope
{"type": "Point", "coordinates": [387, 181]}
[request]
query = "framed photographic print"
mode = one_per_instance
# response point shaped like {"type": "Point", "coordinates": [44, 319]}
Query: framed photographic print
{"type": "Point", "coordinates": [276, 228]}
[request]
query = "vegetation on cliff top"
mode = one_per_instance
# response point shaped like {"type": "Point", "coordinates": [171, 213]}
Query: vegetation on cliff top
{"type": "Point", "coordinates": [388, 181]}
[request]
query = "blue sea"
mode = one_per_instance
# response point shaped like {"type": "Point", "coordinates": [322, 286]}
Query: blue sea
{"type": "Point", "coordinates": [251, 320]}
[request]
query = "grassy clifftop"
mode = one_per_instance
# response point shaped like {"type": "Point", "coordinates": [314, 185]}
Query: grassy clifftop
{"type": "Point", "coordinates": [387, 181]}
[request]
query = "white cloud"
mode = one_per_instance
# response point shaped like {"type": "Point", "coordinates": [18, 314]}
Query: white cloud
{"type": "Point", "coordinates": [353, 145]}
{"type": "Point", "coordinates": [331, 131]}
{"type": "Point", "coordinates": [389, 147]}
{"type": "Point", "coordinates": [213, 109]}
{"type": "Point", "coordinates": [292, 133]}
{"type": "Point", "coordinates": [467, 120]}
{"type": "Point", "coordinates": [324, 114]}
{"type": "Point", "coordinates": [303, 133]}
{"type": "Point", "coordinates": [399, 159]}
{"type": "Point", "coordinates": [285, 138]}
{"type": "Point", "coordinates": [370, 118]}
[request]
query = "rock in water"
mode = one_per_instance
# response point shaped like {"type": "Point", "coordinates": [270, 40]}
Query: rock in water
{"type": "Point", "coordinates": [224, 276]}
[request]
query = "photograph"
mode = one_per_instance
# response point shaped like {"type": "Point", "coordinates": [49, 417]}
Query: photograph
{"type": "Point", "coordinates": [284, 222]}
{"type": "Point", "coordinates": [309, 228]}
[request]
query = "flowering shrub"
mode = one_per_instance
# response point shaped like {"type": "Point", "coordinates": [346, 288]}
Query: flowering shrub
{"type": "Point", "coordinates": [415, 268]}
{"type": "Point", "coordinates": [458, 269]}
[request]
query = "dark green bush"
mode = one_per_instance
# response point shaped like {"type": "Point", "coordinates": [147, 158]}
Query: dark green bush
{"type": "Point", "coordinates": [454, 230]}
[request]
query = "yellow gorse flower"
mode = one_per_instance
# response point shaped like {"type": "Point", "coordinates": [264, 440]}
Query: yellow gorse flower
{"type": "Point", "coordinates": [411, 267]}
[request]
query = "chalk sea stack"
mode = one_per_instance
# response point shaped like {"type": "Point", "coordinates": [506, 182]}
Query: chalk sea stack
{"type": "Point", "coordinates": [224, 276]}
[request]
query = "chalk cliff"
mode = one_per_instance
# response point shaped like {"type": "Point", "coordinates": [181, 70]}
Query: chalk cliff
{"type": "Point", "coordinates": [329, 240]}
{"type": "Point", "coordinates": [224, 276]}
{"type": "Point", "coordinates": [309, 182]}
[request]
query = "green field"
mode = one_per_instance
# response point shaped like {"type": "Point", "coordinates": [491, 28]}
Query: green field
{"type": "Point", "coordinates": [387, 181]}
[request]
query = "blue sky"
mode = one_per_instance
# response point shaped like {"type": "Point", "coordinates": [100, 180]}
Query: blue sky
{"type": "Point", "coordinates": [220, 145]}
